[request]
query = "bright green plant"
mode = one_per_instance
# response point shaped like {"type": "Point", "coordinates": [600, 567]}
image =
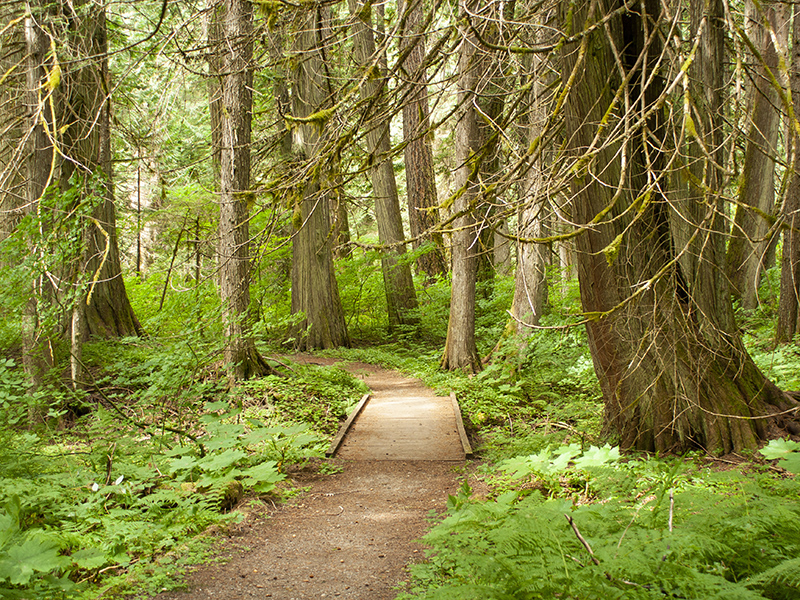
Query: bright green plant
{"type": "Point", "coordinates": [787, 451]}
{"type": "Point", "coordinates": [70, 514]}
{"type": "Point", "coordinates": [319, 396]}
{"type": "Point", "coordinates": [646, 529]}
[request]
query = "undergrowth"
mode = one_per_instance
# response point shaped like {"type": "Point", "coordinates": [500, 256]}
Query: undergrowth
{"type": "Point", "coordinates": [110, 492]}
{"type": "Point", "coordinates": [573, 523]}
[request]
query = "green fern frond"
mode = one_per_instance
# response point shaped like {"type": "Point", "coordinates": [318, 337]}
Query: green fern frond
{"type": "Point", "coordinates": [781, 581]}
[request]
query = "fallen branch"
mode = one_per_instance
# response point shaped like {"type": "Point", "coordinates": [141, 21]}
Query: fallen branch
{"type": "Point", "coordinates": [584, 542]}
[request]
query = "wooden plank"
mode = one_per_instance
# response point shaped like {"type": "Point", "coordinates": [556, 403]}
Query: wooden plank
{"type": "Point", "coordinates": [337, 441]}
{"type": "Point", "coordinates": [460, 425]}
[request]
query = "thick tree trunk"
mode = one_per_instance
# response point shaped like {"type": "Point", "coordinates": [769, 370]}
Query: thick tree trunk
{"type": "Point", "coordinates": [530, 278]}
{"type": "Point", "coordinates": [73, 111]}
{"type": "Point", "coordinates": [341, 227]}
{"type": "Point", "coordinates": [460, 350]}
{"type": "Point", "coordinates": [671, 365]}
{"type": "Point", "coordinates": [491, 90]}
{"type": "Point", "coordinates": [788, 313]}
{"type": "Point", "coordinates": [37, 353]}
{"type": "Point", "coordinates": [423, 216]}
{"type": "Point", "coordinates": [108, 311]}
{"type": "Point", "coordinates": [315, 292]}
{"type": "Point", "coordinates": [236, 107]}
{"type": "Point", "coordinates": [752, 235]}
{"type": "Point", "coordinates": [12, 119]}
{"type": "Point", "coordinates": [215, 83]}
{"type": "Point", "coordinates": [401, 298]}
{"type": "Point", "coordinates": [789, 303]}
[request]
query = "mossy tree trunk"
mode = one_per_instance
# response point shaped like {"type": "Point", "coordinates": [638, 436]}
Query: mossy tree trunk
{"type": "Point", "coordinates": [235, 123]}
{"type": "Point", "coordinates": [460, 350]}
{"type": "Point", "coordinates": [401, 298]}
{"type": "Point", "coordinates": [315, 292]}
{"type": "Point", "coordinates": [423, 216]}
{"type": "Point", "coordinates": [789, 303]}
{"type": "Point", "coordinates": [12, 119]}
{"type": "Point", "coordinates": [672, 367]}
{"type": "Point", "coordinates": [752, 235]}
{"type": "Point", "coordinates": [530, 277]}
{"type": "Point", "coordinates": [37, 355]}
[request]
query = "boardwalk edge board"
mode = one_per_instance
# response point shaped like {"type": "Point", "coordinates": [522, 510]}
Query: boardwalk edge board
{"type": "Point", "coordinates": [337, 441]}
{"type": "Point", "coordinates": [460, 426]}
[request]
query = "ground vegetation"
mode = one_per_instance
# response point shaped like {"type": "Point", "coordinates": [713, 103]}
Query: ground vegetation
{"type": "Point", "coordinates": [568, 214]}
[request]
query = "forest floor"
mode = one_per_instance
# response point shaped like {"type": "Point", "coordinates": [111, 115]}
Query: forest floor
{"type": "Point", "coordinates": [348, 535]}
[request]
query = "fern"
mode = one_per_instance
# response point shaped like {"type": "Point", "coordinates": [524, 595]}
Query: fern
{"type": "Point", "coordinates": [658, 530]}
{"type": "Point", "coordinates": [780, 582]}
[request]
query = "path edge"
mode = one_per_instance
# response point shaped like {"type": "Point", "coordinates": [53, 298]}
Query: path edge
{"type": "Point", "coordinates": [460, 426]}
{"type": "Point", "coordinates": [337, 441]}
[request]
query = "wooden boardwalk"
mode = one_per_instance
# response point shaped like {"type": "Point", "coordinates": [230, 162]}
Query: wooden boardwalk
{"type": "Point", "coordinates": [401, 419]}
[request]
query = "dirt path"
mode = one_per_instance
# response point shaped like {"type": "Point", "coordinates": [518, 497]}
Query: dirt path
{"type": "Point", "coordinates": [350, 536]}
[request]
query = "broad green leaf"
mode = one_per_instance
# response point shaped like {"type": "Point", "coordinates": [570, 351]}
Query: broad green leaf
{"type": "Point", "coordinates": [218, 405]}
{"type": "Point", "coordinates": [266, 472]}
{"type": "Point", "coordinates": [564, 455]}
{"type": "Point", "coordinates": [179, 451]}
{"type": "Point", "coordinates": [779, 449]}
{"type": "Point", "coordinates": [791, 463]}
{"type": "Point", "coordinates": [597, 457]}
{"type": "Point", "coordinates": [219, 462]}
{"type": "Point", "coordinates": [23, 560]}
{"type": "Point", "coordinates": [89, 558]}
{"type": "Point", "coordinates": [8, 529]}
{"type": "Point", "coordinates": [184, 463]}
{"type": "Point", "coordinates": [519, 466]}
{"type": "Point", "coordinates": [255, 436]}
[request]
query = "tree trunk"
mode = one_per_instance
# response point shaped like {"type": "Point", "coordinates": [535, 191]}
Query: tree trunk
{"type": "Point", "coordinates": [235, 112]}
{"type": "Point", "coordinates": [108, 310]}
{"type": "Point", "coordinates": [530, 278]}
{"type": "Point", "coordinates": [401, 298]}
{"type": "Point", "coordinates": [788, 313]}
{"type": "Point", "coordinates": [341, 226]}
{"type": "Point", "coordinates": [491, 90]}
{"type": "Point", "coordinates": [752, 234]}
{"type": "Point", "coordinates": [37, 353]}
{"type": "Point", "coordinates": [215, 83]}
{"type": "Point", "coordinates": [501, 258]}
{"type": "Point", "coordinates": [460, 350]}
{"type": "Point", "coordinates": [12, 120]}
{"type": "Point", "coordinates": [423, 216]}
{"type": "Point", "coordinates": [315, 292]}
{"type": "Point", "coordinates": [671, 365]}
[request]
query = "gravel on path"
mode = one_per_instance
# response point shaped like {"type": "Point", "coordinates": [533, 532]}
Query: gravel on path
{"type": "Point", "coordinates": [350, 536]}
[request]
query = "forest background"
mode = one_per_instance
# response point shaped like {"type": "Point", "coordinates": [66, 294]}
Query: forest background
{"type": "Point", "coordinates": [582, 217]}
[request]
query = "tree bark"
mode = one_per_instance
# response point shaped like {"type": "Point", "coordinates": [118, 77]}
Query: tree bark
{"type": "Point", "coordinates": [242, 359]}
{"type": "Point", "coordinates": [423, 216]}
{"type": "Point", "coordinates": [12, 119]}
{"type": "Point", "coordinates": [501, 258]}
{"type": "Point", "coordinates": [401, 298]}
{"type": "Point", "coordinates": [670, 361]}
{"type": "Point", "coordinates": [789, 302]}
{"type": "Point", "coordinates": [530, 277]}
{"type": "Point", "coordinates": [752, 234]}
{"type": "Point", "coordinates": [460, 350]}
{"type": "Point", "coordinates": [70, 107]}
{"type": "Point", "coordinates": [37, 354]}
{"type": "Point", "coordinates": [315, 292]}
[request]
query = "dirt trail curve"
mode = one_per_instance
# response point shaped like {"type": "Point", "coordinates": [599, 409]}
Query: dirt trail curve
{"type": "Point", "coordinates": [353, 533]}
